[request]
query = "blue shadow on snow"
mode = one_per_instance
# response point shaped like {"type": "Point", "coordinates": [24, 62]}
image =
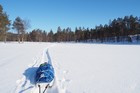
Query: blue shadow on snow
{"type": "Point", "coordinates": [30, 74]}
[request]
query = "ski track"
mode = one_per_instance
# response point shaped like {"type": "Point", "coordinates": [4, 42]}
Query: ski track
{"type": "Point", "coordinates": [27, 83]}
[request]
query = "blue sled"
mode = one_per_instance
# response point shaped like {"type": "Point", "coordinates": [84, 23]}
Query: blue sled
{"type": "Point", "coordinates": [45, 73]}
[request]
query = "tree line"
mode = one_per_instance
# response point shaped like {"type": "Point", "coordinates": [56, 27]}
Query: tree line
{"type": "Point", "coordinates": [118, 30]}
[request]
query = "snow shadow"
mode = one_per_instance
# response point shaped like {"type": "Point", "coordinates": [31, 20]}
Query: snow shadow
{"type": "Point", "coordinates": [120, 43]}
{"type": "Point", "coordinates": [30, 74]}
{"type": "Point", "coordinates": [22, 91]}
{"type": "Point", "coordinates": [48, 56]}
{"type": "Point", "coordinates": [109, 43]}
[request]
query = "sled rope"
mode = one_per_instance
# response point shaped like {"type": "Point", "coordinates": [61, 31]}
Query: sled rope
{"type": "Point", "coordinates": [44, 89]}
{"type": "Point", "coordinates": [39, 88]}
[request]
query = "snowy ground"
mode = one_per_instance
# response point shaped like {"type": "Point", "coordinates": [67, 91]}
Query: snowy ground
{"type": "Point", "coordinates": [79, 68]}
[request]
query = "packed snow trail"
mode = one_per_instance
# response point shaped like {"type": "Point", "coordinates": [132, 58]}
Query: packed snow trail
{"type": "Point", "coordinates": [27, 83]}
{"type": "Point", "coordinates": [54, 88]}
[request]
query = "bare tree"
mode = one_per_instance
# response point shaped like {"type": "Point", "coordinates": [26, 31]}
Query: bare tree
{"type": "Point", "coordinates": [26, 25]}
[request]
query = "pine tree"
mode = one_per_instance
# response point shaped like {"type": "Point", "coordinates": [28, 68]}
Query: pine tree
{"type": "Point", "coordinates": [20, 28]}
{"type": "Point", "coordinates": [4, 24]}
{"type": "Point", "coordinates": [50, 36]}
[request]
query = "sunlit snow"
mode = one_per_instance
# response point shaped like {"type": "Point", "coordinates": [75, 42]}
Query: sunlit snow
{"type": "Point", "coordinates": [79, 67]}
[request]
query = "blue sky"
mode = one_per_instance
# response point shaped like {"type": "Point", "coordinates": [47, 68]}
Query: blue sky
{"type": "Point", "coordinates": [49, 14]}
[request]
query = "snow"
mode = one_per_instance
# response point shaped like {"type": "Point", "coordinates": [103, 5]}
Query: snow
{"type": "Point", "coordinates": [79, 67]}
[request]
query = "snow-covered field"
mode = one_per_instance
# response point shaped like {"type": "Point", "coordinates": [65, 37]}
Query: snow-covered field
{"type": "Point", "coordinates": [79, 68]}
